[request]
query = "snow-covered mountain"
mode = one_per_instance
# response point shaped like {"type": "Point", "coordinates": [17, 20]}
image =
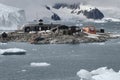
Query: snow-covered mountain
{"type": "Point", "coordinates": [74, 11]}
{"type": "Point", "coordinates": [88, 11]}
{"type": "Point", "coordinates": [11, 17]}
{"type": "Point", "coordinates": [63, 11]}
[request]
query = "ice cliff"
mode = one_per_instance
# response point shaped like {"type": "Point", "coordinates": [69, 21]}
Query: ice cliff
{"type": "Point", "coordinates": [11, 17]}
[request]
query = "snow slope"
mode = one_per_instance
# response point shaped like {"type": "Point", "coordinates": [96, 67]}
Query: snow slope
{"type": "Point", "coordinates": [11, 17]}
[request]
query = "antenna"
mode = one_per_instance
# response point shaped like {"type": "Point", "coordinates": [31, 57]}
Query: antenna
{"type": "Point", "coordinates": [36, 15]}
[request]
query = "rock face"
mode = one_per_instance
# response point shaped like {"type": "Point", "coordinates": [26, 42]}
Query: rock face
{"type": "Point", "coordinates": [11, 16]}
{"type": "Point", "coordinates": [63, 5]}
{"type": "Point", "coordinates": [55, 17]}
{"type": "Point", "coordinates": [94, 14]}
{"type": "Point", "coordinates": [88, 11]}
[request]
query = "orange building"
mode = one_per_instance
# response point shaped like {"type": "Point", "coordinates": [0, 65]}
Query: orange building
{"type": "Point", "coordinates": [89, 29]}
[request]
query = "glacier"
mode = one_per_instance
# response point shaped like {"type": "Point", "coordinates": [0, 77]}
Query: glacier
{"type": "Point", "coordinates": [11, 17]}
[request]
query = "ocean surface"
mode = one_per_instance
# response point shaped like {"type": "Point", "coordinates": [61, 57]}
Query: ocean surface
{"type": "Point", "coordinates": [60, 61]}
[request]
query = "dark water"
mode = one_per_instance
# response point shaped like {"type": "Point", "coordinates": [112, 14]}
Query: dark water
{"type": "Point", "coordinates": [65, 59]}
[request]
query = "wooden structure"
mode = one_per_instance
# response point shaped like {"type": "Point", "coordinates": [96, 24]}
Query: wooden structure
{"type": "Point", "coordinates": [65, 30]}
{"type": "Point", "coordinates": [38, 27]}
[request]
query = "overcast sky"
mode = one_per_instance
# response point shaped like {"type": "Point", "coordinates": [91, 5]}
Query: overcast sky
{"type": "Point", "coordinates": [30, 5]}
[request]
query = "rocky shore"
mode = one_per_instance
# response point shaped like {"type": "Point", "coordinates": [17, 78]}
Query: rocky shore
{"type": "Point", "coordinates": [55, 38]}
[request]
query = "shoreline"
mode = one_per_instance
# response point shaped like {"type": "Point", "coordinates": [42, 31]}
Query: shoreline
{"type": "Point", "coordinates": [54, 38]}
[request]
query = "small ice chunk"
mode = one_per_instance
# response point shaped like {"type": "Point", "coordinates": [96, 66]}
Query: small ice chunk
{"type": "Point", "coordinates": [23, 70]}
{"type": "Point", "coordinates": [42, 64]}
{"type": "Point", "coordinates": [3, 43]}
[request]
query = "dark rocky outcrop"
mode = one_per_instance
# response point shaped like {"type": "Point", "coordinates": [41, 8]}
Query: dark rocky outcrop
{"type": "Point", "coordinates": [70, 6]}
{"type": "Point", "coordinates": [56, 38]}
{"type": "Point", "coordinates": [93, 14]}
{"type": "Point", "coordinates": [55, 17]}
{"type": "Point", "coordinates": [47, 7]}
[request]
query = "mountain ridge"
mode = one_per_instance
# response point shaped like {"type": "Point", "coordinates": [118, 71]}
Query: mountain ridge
{"type": "Point", "coordinates": [75, 10]}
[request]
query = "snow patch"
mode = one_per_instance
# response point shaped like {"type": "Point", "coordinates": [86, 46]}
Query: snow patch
{"type": "Point", "coordinates": [42, 64]}
{"type": "Point", "coordinates": [95, 36]}
{"type": "Point", "coordinates": [86, 7]}
{"type": "Point", "coordinates": [12, 51]}
{"type": "Point", "coordinates": [102, 73]}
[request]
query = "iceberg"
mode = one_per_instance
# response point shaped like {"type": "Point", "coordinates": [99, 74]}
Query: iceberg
{"type": "Point", "coordinates": [12, 51]}
{"type": "Point", "coordinates": [102, 73]}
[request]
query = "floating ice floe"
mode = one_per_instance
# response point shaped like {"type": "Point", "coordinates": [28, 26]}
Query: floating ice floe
{"type": "Point", "coordinates": [12, 51]}
{"type": "Point", "coordinates": [99, 74]}
{"type": "Point", "coordinates": [23, 70]}
{"type": "Point", "coordinates": [111, 19]}
{"type": "Point", "coordinates": [99, 21]}
{"type": "Point", "coordinates": [101, 43]}
{"type": "Point", "coordinates": [3, 43]}
{"type": "Point", "coordinates": [42, 64]}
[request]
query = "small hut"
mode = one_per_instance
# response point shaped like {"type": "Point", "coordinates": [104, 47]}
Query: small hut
{"type": "Point", "coordinates": [4, 35]}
